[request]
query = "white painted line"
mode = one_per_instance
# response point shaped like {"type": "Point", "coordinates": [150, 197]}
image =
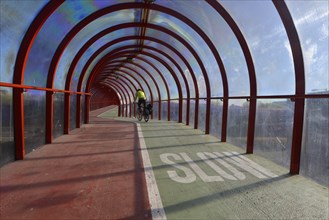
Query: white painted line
{"type": "Point", "coordinates": [152, 187]}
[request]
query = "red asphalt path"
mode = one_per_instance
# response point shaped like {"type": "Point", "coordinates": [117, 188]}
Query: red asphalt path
{"type": "Point", "coordinates": [95, 172]}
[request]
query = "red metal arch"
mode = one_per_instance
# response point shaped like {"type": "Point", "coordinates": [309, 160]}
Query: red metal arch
{"type": "Point", "coordinates": [168, 32]}
{"type": "Point", "coordinates": [122, 94]}
{"type": "Point", "coordinates": [129, 88]}
{"type": "Point", "coordinates": [174, 62]}
{"type": "Point", "coordinates": [140, 75]}
{"type": "Point", "coordinates": [106, 57]}
{"type": "Point", "coordinates": [299, 84]}
{"type": "Point", "coordinates": [132, 76]}
{"type": "Point", "coordinates": [160, 75]}
{"type": "Point", "coordinates": [113, 8]}
{"type": "Point", "coordinates": [252, 75]}
{"type": "Point", "coordinates": [102, 97]}
{"type": "Point", "coordinates": [18, 78]}
{"type": "Point", "coordinates": [133, 85]}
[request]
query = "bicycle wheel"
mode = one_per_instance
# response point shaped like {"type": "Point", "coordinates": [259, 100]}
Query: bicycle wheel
{"type": "Point", "coordinates": [146, 116]}
{"type": "Point", "coordinates": [140, 115]}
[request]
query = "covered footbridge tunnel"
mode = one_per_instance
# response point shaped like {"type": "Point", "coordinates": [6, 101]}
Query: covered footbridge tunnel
{"type": "Point", "coordinates": [240, 96]}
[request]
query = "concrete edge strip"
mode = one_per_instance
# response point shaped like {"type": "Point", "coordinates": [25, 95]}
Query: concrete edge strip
{"type": "Point", "coordinates": [152, 187]}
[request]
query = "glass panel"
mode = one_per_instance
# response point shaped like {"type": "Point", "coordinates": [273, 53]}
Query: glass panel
{"type": "Point", "coordinates": [164, 110]}
{"type": "Point", "coordinates": [187, 54]}
{"type": "Point", "coordinates": [315, 150]}
{"type": "Point", "coordinates": [174, 69]}
{"type": "Point", "coordinates": [139, 79]}
{"type": "Point", "coordinates": [311, 19]}
{"type": "Point", "coordinates": [58, 129]}
{"type": "Point", "coordinates": [202, 115]}
{"type": "Point", "coordinates": [174, 113]}
{"type": "Point", "coordinates": [202, 14]}
{"type": "Point", "coordinates": [97, 45]}
{"type": "Point", "coordinates": [156, 76]}
{"type": "Point", "coordinates": [273, 130]}
{"type": "Point", "coordinates": [261, 25]}
{"type": "Point", "coordinates": [122, 16]}
{"type": "Point", "coordinates": [155, 110]}
{"type": "Point", "coordinates": [56, 27]}
{"type": "Point", "coordinates": [73, 111]}
{"type": "Point", "coordinates": [7, 144]}
{"type": "Point", "coordinates": [237, 124]}
{"type": "Point", "coordinates": [197, 43]}
{"type": "Point", "coordinates": [178, 60]}
{"type": "Point", "coordinates": [216, 115]}
{"type": "Point", "coordinates": [148, 79]}
{"type": "Point", "coordinates": [167, 75]}
{"type": "Point", "coordinates": [192, 112]}
{"type": "Point", "coordinates": [34, 119]}
{"type": "Point", "coordinates": [184, 112]}
{"type": "Point", "coordinates": [83, 107]}
{"type": "Point", "coordinates": [12, 32]}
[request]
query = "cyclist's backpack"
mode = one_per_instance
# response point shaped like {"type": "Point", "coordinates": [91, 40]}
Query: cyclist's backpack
{"type": "Point", "coordinates": [149, 107]}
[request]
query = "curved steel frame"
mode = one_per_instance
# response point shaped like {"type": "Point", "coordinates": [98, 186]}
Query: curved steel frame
{"type": "Point", "coordinates": [174, 62]}
{"type": "Point", "coordinates": [53, 5]}
{"type": "Point", "coordinates": [107, 10]}
{"type": "Point", "coordinates": [108, 56]}
{"type": "Point", "coordinates": [130, 89]}
{"type": "Point", "coordinates": [132, 76]}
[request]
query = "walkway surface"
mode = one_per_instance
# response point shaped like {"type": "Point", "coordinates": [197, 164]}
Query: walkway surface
{"type": "Point", "coordinates": [97, 173]}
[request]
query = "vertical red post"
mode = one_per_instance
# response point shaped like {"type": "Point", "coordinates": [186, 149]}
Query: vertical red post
{"type": "Point", "coordinates": [251, 126]}
{"type": "Point", "coordinates": [78, 119]}
{"type": "Point", "coordinates": [49, 116]}
{"type": "Point", "coordinates": [196, 115]}
{"type": "Point", "coordinates": [180, 110]}
{"type": "Point", "coordinates": [224, 120]}
{"type": "Point", "coordinates": [168, 109]}
{"type": "Point", "coordinates": [66, 113]}
{"type": "Point", "coordinates": [19, 123]}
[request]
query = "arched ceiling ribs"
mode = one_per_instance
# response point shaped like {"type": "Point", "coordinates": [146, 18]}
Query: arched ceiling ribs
{"type": "Point", "coordinates": [154, 81]}
{"type": "Point", "coordinates": [124, 93]}
{"type": "Point", "coordinates": [98, 69]}
{"type": "Point", "coordinates": [140, 75]}
{"type": "Point", "coordinates": [130, 95]}
{"type": "Point", "coordinates": [114, 89]}
{"type": "Point", "coordinates": [117, 7]}
{"type": "Point", "coordinates": [163, 54]}
{"type": "Point", "coordinates": [123, 82]}
{"type": "Point", "coordinates": [151, 26]}
{"type": "Point", "coordinates": [177, 66]}
{"type": "Point", "coordinates": [140, 67]}
{"type": "Point", "coordinates": [251, 72]}
{"type": "Point", "coordinates": [27, 42]}
{"type": "Point", "coordinates": [297, 55]}
{"type": "Point", "coordinates": [163, 79]}
{"type": "Point", "coordinates": [133, 85]}
{"type": "Point", "coordinates": [120, 92]}
{"type": "Point", "coordinates": [105, 59]}
{"type": "Point", "coordinates": [19, 72]}
{"type": "Point", "coordinates": [124, 72]}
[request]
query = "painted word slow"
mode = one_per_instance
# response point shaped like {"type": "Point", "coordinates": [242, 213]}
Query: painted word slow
{"type": "Point", "coordinates": [228, 165]}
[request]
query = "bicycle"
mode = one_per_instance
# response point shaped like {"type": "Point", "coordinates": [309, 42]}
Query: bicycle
{"type": "Point", "coordinates": [143, 112]}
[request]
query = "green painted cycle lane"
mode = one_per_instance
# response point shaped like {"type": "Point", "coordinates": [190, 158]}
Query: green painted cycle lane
{"type": "Point", "coordinates": [199, 177]}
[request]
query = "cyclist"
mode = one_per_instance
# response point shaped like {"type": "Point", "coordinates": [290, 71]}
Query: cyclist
{"type": "Point", "coordinates": [141, 98]}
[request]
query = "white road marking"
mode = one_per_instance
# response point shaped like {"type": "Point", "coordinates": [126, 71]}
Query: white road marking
{"type": "Point", "coordinates": [152, 187]}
